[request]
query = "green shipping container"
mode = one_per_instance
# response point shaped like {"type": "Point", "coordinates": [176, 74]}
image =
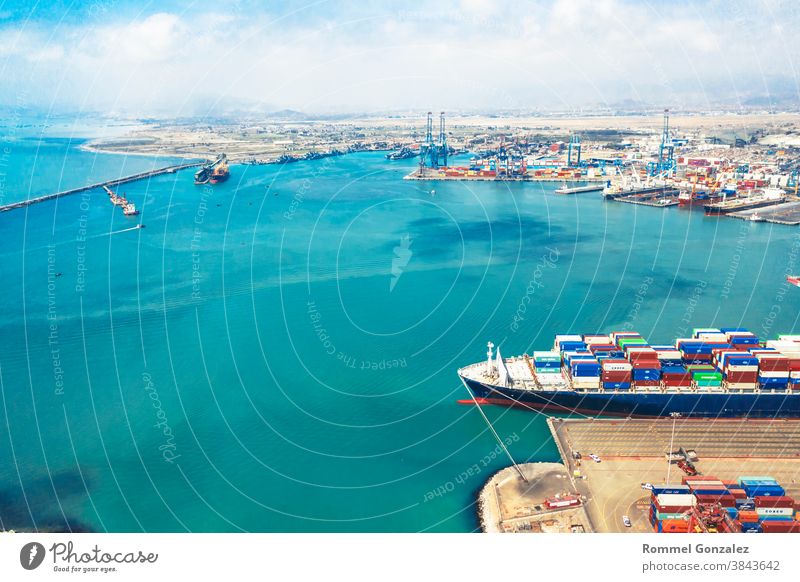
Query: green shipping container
{"type": "Point", "coordinates": [707, 376]}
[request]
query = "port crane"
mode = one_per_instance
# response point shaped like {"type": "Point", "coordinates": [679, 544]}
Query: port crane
{"type": "Point", "coordinates": [574, 144]}
{"type": "Point", "coordinates": [666, 152]}
{"type": "Point", "coordinates": [433, 154]}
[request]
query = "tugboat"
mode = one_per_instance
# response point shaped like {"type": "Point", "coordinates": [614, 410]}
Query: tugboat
{"type": "Point", "coordinates": [130, 209]}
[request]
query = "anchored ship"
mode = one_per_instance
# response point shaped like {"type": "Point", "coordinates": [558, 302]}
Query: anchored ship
{"type": "Point", "coordinates": [220, 173]}
{"type": "Point", "coordinates": [213, 172]}
{"type": "Point", "coordinates": [726, 372]}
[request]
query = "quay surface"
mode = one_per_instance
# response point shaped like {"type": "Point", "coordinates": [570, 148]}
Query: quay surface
{"type": "Point", "coordinates": [633, 453]}
{"type": "Point", "coordinates": [787, 213]}
{"type": "Point", "coordinates": [580, 189]}
{"type": "Point", "coordinates": [99, 185]}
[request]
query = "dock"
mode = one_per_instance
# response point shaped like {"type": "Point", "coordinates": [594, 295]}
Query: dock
{"type": "Point", "coordinates": [658, 197]}
{"type": "Point", "coordinates": [579, 189]}
{"type": "Point", "coordinates": [787, 213]}
{"type": "Point", "coordinates": [633, 452]}
{"type": "Point", "coordinates": [100, 185]}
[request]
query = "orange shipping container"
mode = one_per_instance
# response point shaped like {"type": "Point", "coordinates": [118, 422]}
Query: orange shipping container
{"type": "Point", "coordinates": [748, 516]}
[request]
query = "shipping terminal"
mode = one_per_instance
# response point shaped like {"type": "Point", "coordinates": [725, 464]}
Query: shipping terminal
{"type": "Point", "coordinates": [716, 373]}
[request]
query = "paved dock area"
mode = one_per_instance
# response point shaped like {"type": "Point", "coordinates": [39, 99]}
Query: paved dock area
{"type": "Point", "coordinates": [633, 453]}
{"type": "Point", "coordinates": [509, 504]}
{"type": "Point", "coordinates": [787, 213]}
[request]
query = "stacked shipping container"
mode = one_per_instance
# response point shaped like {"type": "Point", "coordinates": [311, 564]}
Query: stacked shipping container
{"type": "Point", "coordinates": [705, 503]}
{"type": "Point", "coordinates": [711, 359]}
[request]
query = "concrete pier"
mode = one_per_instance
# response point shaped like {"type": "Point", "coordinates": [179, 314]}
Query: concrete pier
{"type": "Point", "coordinates": [508, 504]}
{"type": "Point", "coordinates": [107, 184]}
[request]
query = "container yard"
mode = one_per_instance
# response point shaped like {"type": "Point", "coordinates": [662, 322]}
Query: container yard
{"type": "Point", "coordinates": [684, 475]}
{"type": "Point", "coordinates": [670, 168]}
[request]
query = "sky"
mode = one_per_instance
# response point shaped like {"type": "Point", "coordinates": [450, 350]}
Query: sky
{"type": "Point", "coordinates": [183, 58]}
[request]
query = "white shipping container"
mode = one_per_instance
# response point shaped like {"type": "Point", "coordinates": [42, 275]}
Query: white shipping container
{"type": "Point", "coordinates": [741, 368]}
{"type": "Point", "coordinates": [591, 340]}
{"type": "Point", "coordinates": [777, 344]}
{"type": "Point", "coordinates": [698, 330]}
{"type": "Point", "coordinates": [676, 499]}
{"type": "Point", "coordinates": [713, 337]}
{"type": "Point", "coordinates": [642, 349]}
{"type": "Point", "coordinates": [764, 374]}
{"type": "Point", "coordinates": [742, 386]}
{"type": "Point", "coordinates": [775, 511]}
{"type": "Point", "coordinates": [616, 367]}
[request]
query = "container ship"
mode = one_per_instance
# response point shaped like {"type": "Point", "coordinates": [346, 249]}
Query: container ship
{"type": "Point", "coordinates": [716, 373]}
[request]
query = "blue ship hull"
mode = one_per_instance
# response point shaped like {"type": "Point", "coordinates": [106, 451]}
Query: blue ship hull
{"type": "Point", "coordinates": [644, 405]}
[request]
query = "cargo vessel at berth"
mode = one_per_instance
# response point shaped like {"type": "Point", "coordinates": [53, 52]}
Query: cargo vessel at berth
{"type": "Point", "coordinates": [767, 197]}
{"type": "Point", "coordinates": [716, 373]}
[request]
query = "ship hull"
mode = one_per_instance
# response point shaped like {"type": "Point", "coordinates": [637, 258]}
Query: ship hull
{"type": "Point", "coordinates": [643, 405]}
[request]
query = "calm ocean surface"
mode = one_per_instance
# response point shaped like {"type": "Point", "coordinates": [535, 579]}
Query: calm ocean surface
{"type": "Point", "coordinates": [278, 353]}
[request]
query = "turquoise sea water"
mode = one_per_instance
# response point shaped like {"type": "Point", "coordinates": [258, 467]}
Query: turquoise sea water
{"type": "Point", "coordinates": [278, 353]}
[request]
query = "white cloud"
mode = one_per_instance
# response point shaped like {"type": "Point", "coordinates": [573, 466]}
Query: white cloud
{"type": "Point", "coordinates": [460, 55]}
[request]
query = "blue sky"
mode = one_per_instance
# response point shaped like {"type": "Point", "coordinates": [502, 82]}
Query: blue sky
{"type": "Point", "coordinates": [188, 58]}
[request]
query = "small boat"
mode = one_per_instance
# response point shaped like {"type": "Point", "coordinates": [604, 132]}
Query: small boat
{"type": "Point", "coordinates": [755, 218]}
{"type": "Point", "coordinates": [794, 280]}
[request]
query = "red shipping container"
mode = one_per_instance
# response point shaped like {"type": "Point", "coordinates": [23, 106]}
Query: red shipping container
{"type": "Point", "coordinates": [737, 377]}
{"type": "Point", "coordinates": [794, 364]}
{"type": "Point", "coordinates": [737, 493]}
{"type": "Point", "coordinates": [773, 364]}
{"type": "Point", "coordinates": [770, 526]}
{"type": "Point", "coordinates": [688, 478]}
{"type": "Point", "coordinates": [616, 376]}
{"type": "Point", "coordinates": [677, 377]}
{"type": "Point", "coordinates": [774, 502]}
{"type": "Point", "coordinates": [645, 383]}
{"type": "Point", "coordinates": [650, 363]}
{"type": "Point", "coordinates": [725, 500]}
{"type": "Point", "coordinates": [698, 357]}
